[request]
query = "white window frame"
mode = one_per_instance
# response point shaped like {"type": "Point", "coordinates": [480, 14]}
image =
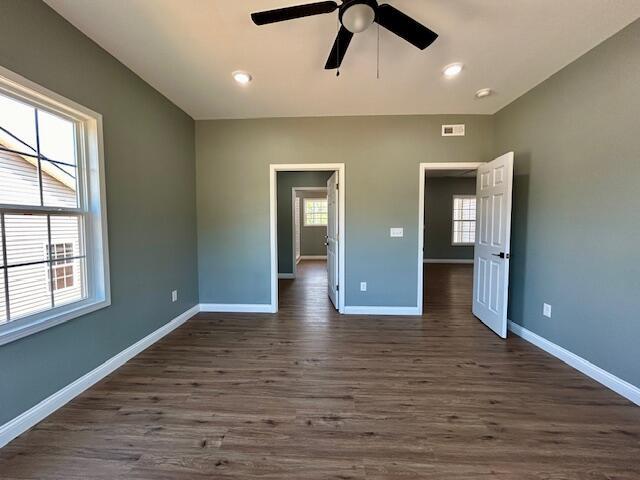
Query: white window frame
{"type": "Point", "coordinates": [304, 211]}
{"type": "Point", "coordinates": [453, 222]}
{"type": "Point", "coordinates": [94, 211]}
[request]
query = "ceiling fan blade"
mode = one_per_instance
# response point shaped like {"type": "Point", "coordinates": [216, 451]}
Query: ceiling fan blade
{"type": "Point", "coordinates": [339, 49]}
{"type": "Point", "coordinates": [290, 13]}
{"type": "Point", "coordinates": [405, 27]}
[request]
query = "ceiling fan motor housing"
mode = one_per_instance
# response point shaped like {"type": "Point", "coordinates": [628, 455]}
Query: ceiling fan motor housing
{"type": "Point", "coordinates": [357, 15]}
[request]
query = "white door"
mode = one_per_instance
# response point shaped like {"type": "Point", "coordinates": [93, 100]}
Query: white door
{"type": "Point", "coordinates": [492, 248]}
{"type": "Point", "coordinates": [332, 237]}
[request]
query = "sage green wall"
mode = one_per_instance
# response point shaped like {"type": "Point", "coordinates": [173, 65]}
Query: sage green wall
{"type": "Point", "coordinates": [150, 171]}
{"type": "Point", "coordinates": [381, 157]}
{"type": "Point", "coordinates": [286, 181]}
{"type": "Point", "coordinates": [576, 222]}
{"type": "Point", "coordinates": [438, 217]}
{"type": "Point", "coordinates": [312, 239]}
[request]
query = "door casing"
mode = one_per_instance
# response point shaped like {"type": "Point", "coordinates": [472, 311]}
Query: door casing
{"type": "Point", "coordinates": [422, 179]}
{"type": "Point", "coordinates": [273, 223]}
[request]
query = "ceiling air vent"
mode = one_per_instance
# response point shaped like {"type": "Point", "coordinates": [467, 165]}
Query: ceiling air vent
{"type": "Point", "coordinates": [453, 130]}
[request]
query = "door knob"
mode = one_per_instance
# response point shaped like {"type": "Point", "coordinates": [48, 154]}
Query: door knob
{"type": "Point", "coordinates": [501, 255]}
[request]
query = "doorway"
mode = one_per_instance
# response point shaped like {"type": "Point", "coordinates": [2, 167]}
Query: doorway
{"type": "Point", "coordinates": [333, 210]}
{"type": "Point", "coordinates": [491, 246]}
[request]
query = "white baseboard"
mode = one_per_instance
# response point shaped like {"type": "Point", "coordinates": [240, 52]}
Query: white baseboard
{"type": "Point", "coordinates": [286, 276]}
{"type": "Point", "coordinates": [448, 260]}
{"type": "Point", "coordinates": [313, 257]}
{"type": "Point", "coordinates": [46, 407]}
{"type": "Point", "coordinates": [627, 390]}
{"type": "Point", "coordinates": [365, 310]}
{"type": "Point", "coordinates": [236, 307]}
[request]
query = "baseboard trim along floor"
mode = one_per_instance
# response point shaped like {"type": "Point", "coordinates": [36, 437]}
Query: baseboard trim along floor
{"type": "Point", "coordinates": [236, 307]}
{"type": "Point", "coordinates": [367, 310]}
{"type": "Point", "coordinates": [46, 407]}
{"type": "Point", "coordinates": [621, 387]}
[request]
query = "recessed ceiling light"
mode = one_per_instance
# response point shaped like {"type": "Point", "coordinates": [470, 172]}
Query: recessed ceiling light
{"type": "Point", "coordinates": [243, 78]}
{"type": "Point", "coordinates": [483, 92]}
{"type": "Point", "coordinates": [452, 70]}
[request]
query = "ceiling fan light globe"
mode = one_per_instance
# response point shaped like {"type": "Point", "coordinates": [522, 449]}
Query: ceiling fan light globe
{"type": "Point", "coordinates": [358, 17]}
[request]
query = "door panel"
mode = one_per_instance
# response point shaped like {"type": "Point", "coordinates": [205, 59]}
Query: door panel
{"type": "Point", "coordinates": [333, 238]}
{"type": "Point", "coordinates": [492, 248]}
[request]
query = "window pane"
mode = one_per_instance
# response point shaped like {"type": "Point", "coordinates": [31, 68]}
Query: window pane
{"type": "Point", "coordinates": [18, 121]}
{"type": "Point", "coordinates": [57, 137]}
{"type": "Point", "coordinates": [69, 276]}
{"type": "Point", "coordinates": [26, 237]}
{"type": "Point", "coordinates": [315, 211]}
{"type": "Point", "coordinates": [59, 185]}
{"type": "Point", "coordinates": [66, 236]}
{"type": "Point", "coordinates": [19, 183]}
{"type": "Point", "coordinates": [29, 291]}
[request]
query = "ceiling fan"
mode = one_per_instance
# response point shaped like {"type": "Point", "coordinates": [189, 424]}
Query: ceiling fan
{"type": "Point", "coordinates": [355, 16]}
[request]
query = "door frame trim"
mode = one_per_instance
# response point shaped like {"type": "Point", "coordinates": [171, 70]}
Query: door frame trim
{"type": "Point", "coordinates": [273, 222]}
{"type": "Point", "coordinates": [422, 177]}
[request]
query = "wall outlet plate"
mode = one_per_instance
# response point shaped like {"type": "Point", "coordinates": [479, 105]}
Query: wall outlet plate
{"type": "Point", "coordinates": [174, 296]}
{"type": "Point", "coordinates": [546, 310]}
{"type": "Point", "coordinates": [363, 286]}
{"type": "Point", "coordinates": [396, 232]}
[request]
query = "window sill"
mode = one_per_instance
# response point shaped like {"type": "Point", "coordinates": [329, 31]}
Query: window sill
{"type": "Point", "coordinates": [20, 328]}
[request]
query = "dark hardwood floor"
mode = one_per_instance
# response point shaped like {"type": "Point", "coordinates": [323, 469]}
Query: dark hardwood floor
{"type": "Point", "coordinates": [307, 394]}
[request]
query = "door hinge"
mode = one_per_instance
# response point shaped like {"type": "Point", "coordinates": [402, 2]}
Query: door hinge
{"type": "Point", "coordinates": [337, 288]}
{"type": "Point", "coordinates": [337, 186]}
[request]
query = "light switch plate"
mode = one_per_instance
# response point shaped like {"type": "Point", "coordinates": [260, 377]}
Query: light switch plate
{"type": "Point", "coordinates": [174, 296]}
{"type": "Point", "coordinates": [363, 286]}
{"type": "Point", "coordinates": [396, 232]}
{"type": "Point", "coordinates": [546, 310]}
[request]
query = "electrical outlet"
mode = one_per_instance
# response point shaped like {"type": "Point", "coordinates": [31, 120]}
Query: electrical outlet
{"type": "Point", "coordinates": [546, 310]}
{"type": "Point", "coordinates": [363, 286]}
{"type": "Point", "coordinates": [174, 296]}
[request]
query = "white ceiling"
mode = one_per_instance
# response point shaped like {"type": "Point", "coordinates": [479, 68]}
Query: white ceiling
{"type": "Point", "coordinates": [187, 50]}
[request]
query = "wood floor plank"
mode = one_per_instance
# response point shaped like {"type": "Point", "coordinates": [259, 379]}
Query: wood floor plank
{"type": "Point", "coordinates": [309, 394]}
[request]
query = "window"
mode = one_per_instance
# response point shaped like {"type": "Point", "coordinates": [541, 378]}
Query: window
{"type": "Point", "coordinates": [464, 220]}
{"type": "Point", "coordinates": [62, 271]}
{"type": "Point", "coordinates": [316, 213]}
{"type": "Point", "coordinates": [53, 259]}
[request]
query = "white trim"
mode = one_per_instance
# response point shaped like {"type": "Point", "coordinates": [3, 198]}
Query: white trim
{"type": "Point", "coordinates": [89, 128]}
{"type": "Point", "coordinates": [365, 310]}
{"type": "Point", "coordinates": [621, 387]}
{"type": "Point", "coordinates": [46, 407]}
{"type": "Point", "coordinates": [422, 177]}
{"type": "Point", "coordinates": [236, 307]}
{"type": "Point", "coordinates": [449, 260]}
{"type": "Point", "coordinates": [273, 223]}
{"type": "Point", "coordinates": [312, 257]}
{"type": "Point", "coordinates": [286, 276]}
